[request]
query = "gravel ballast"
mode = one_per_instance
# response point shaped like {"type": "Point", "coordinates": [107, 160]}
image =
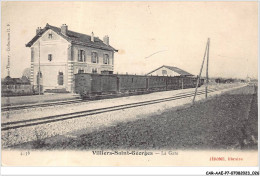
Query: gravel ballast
{"type": "Point", "coordinates": [90, 123]}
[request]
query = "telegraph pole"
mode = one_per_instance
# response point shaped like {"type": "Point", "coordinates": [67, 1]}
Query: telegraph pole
{"type": "Point", "coordinates": [207, 73]}
{"type": "Point", "coordinates": [207, 45]}
{"type": "Point", "coordinates": [39, 74]}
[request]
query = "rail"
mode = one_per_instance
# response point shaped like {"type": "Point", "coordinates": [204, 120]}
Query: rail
{"type": "Point", "coordinates": [61, 117]}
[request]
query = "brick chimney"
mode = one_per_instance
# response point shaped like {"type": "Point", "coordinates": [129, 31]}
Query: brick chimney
{"type": "Point", "coordinates": [92, 37]}
{"type": "Point", "coordinates": [106, 39]}
{"type": "Point", "coordinates": [64, 29]}
{"type": "Point", "coordinates": [38, 30]}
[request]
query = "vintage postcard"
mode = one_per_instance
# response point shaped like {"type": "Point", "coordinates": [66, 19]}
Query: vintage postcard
{"type": "Point", "coordinates": [129, 83]}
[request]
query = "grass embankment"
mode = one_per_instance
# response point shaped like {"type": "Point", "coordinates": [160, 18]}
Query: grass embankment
{"type": "Point", "coordinates": [225, 122]}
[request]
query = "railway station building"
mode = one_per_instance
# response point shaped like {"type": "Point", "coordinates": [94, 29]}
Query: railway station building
{"type": "Point", "coordinates": [58, 53]}
{"type": "Point", "coordinates": [169, 71]}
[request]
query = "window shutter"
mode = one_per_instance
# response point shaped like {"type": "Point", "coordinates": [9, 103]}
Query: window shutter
{"type": "Point", "coordinates": [78, 55]}
{"type": "Point", "coordinates": [61, 79]}
{"type": "Point", "coordinates": [84, 56]}
{"type": "Point", "coordinates": [92, 57]}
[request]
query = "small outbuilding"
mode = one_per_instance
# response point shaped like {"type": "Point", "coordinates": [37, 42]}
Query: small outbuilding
{"type": "Point", "coordinates": [15, 86]}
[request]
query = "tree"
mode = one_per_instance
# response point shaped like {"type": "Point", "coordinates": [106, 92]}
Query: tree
{"type": "Point", "coordinates": [27, 73]}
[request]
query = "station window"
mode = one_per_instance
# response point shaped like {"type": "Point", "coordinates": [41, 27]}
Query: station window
{"type": "Point", "coordinates": [94, 57]}
{"type": "Point", "coordinates": [81, 71]}
{"type": "Point", "coordinates": [50, 57]}
{"type": "Point", "coordinates": [39, 78]}
{"type": "Point", "coordinates": [94, 70]}
{"type": "Point", "coordinates": [164, 72]}
{"type": "Point", "coordinates": [50, 35]}
{"type": "Point", "coordinates": [60, 78]}
{"type": "Point", "coordinates": [81, 56]}
{"type": "Point", "coordinates": [106, 59]}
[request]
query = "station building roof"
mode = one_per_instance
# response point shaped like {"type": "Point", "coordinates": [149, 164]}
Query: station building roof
{"type": "Point", "coordinates": [74, 38]}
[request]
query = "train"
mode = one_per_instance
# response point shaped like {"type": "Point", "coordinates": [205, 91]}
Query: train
{"type": "Point", "coordinates": [89, 84]}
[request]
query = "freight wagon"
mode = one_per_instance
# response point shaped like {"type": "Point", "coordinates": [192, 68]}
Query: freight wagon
{"type": "Point", "coordinates": [87, 84]}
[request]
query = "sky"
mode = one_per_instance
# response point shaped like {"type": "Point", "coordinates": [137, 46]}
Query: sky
{"type": "Point", "coordinates": [147, 34]}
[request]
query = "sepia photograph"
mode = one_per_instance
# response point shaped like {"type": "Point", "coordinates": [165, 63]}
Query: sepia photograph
{"type": "Point", "coordinates": [148, 83]}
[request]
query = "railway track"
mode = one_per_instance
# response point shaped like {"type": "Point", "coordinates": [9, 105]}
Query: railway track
{"type": "Point", "coordinates": [48, 104]}
{"type": "Point", "coordinates": [28, 106]}
{"type": "Point", "coordinates": [61, 117]}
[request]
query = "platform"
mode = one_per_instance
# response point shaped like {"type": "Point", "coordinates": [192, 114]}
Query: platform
{"type": "Point", "coordinates": [47, 97]}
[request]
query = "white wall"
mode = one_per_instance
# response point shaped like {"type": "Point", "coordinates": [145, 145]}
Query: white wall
{"type": "Point", "coordinates": [58, 47]}
{"type": "Point", "coordinates": [169, 72]}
